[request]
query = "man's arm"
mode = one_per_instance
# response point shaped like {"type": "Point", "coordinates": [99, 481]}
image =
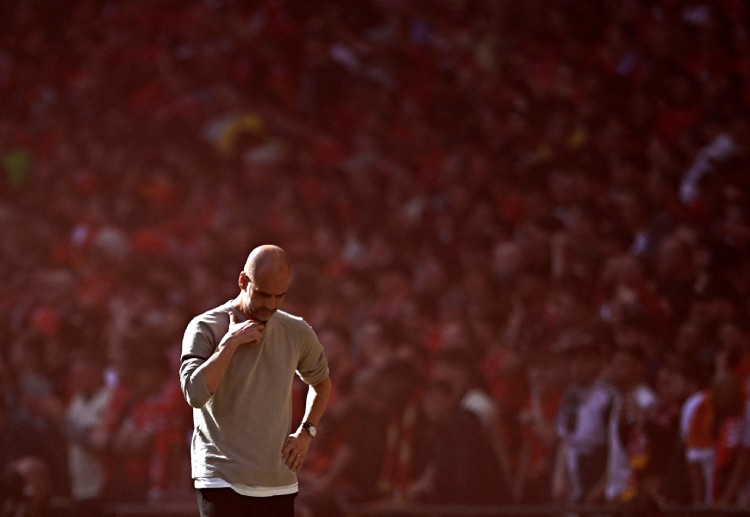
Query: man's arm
{"type": "Point", "coordinates": [247, 332]}
{"type": "Point", "coordinates": [317, 401]}
{"type": "Point", "coordinates": [295, 450]}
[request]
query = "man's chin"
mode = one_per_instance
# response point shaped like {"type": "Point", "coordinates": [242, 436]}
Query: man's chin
{"type": "Point", "coordinates": [264, 316]}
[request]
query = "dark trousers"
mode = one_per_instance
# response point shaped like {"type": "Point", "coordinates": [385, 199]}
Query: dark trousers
{"type": "Point", "coordinates": [225, 502]}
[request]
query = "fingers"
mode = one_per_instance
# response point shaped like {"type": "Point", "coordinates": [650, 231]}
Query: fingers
{"type": "Point", "coordinates": [294, 461]}
{"type": "Point", "coordinates": [293, 455]}
{"type": "Point", "coordinates": [253, 328]}
{"type": "Point", "coordinates": [248, 331]}
{"type": "Point", "coordinates": [249, 335]}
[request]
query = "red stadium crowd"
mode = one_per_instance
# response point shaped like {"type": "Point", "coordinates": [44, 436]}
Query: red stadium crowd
{"type": "Point", "coordinates": [521, 230]}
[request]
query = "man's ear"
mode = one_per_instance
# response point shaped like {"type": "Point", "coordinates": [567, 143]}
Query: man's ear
{"type": "Point", "coordinates": [243, 280]}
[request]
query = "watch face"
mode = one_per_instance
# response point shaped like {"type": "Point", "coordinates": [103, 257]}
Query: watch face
{"type": "Point", "coordinates": [310, 429]}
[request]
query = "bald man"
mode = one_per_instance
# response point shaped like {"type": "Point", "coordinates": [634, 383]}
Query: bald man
{"type": "Point", "coordinates": [238, 364]}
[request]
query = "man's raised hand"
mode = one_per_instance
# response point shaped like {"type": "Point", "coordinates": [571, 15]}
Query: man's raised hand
{"type": "Point", "coordinates": [245, 332]}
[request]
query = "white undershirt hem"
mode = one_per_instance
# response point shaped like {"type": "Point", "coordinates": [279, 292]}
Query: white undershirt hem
{"type": "Point", "coordinates": [252, 491]}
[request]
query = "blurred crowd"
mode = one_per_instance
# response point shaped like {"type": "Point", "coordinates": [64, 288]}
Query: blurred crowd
{"type": "Point", "coordinates": [520, 228]}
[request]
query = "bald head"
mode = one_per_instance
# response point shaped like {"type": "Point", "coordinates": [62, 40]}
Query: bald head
{"type": "Point", "coordinates": [267, 260]}
{"type": "Point", "coordinates": [264, 282]}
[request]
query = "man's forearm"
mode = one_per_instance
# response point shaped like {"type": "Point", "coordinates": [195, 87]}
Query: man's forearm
{"type": "Point", "coordinates": [215, 367]}
{"type": "Point", "coordinates": [317, 401]}
{"type": "Point", "coordinates": [247, 332]}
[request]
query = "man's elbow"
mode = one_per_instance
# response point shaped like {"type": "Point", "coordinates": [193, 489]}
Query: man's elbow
{"type": "Point", "coordinates": [196, 402]}
{"type": "Point", "coordinates": [324, 387]}
{"type": "Point", "coordinates": [196, 392]}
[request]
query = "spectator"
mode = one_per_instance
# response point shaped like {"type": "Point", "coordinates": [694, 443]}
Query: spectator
{"type": "Point", "coordinates": [131, 423]}
{"type": "Point", "coordinates": [83, 415]}
{"type": "Point", "coordinates": [664, 475]}
{"type": "Point", "coordinates": [582, 422]}
{"type": "Point", "coordinates": [134, 441]}
{"type": "Point", "coordinates": [39, 498]}
{"type": "Point", "coordinates": [712, 442]}
{"type": "Point", "coordinates": [345, 473]}
{"type": "Point", "coordinates": [459, 470]}
{"type": "Point", "coordinates": [457, 367]}
{"type": "Point", "coordinates": [633, 407]}
{"type": "Point", "coordinates": [379, 446]}
{"type": "Point", "coordinates": [32, 424]}
{"type": "Point", "coordinates": [736, 488]}
{"type": "Point", "coordinates": [169, 465]}
{"type": "Point", "coordinates": [539, 438]}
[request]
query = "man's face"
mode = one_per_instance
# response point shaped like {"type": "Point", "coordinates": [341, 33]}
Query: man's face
{"type": "Point", "coordinates": [262, 296]}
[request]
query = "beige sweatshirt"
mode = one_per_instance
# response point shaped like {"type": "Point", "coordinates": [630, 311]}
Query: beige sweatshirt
{"type": "Point", "coordinates": [241, 429]}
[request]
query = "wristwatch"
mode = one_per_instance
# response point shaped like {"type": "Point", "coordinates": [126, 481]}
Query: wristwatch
{"type": "Point", "coordinates": [307, 426]}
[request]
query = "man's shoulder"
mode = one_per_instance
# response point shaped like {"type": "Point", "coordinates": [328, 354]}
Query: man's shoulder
{"type": "Point", "coordinates": [289, 320]}
{"type": "Point", "coordinates": [295, 326]}
{"type": "Point", "coordinates": [215, 312]}
{"type": "Point", "coordinates": [212, 317]}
